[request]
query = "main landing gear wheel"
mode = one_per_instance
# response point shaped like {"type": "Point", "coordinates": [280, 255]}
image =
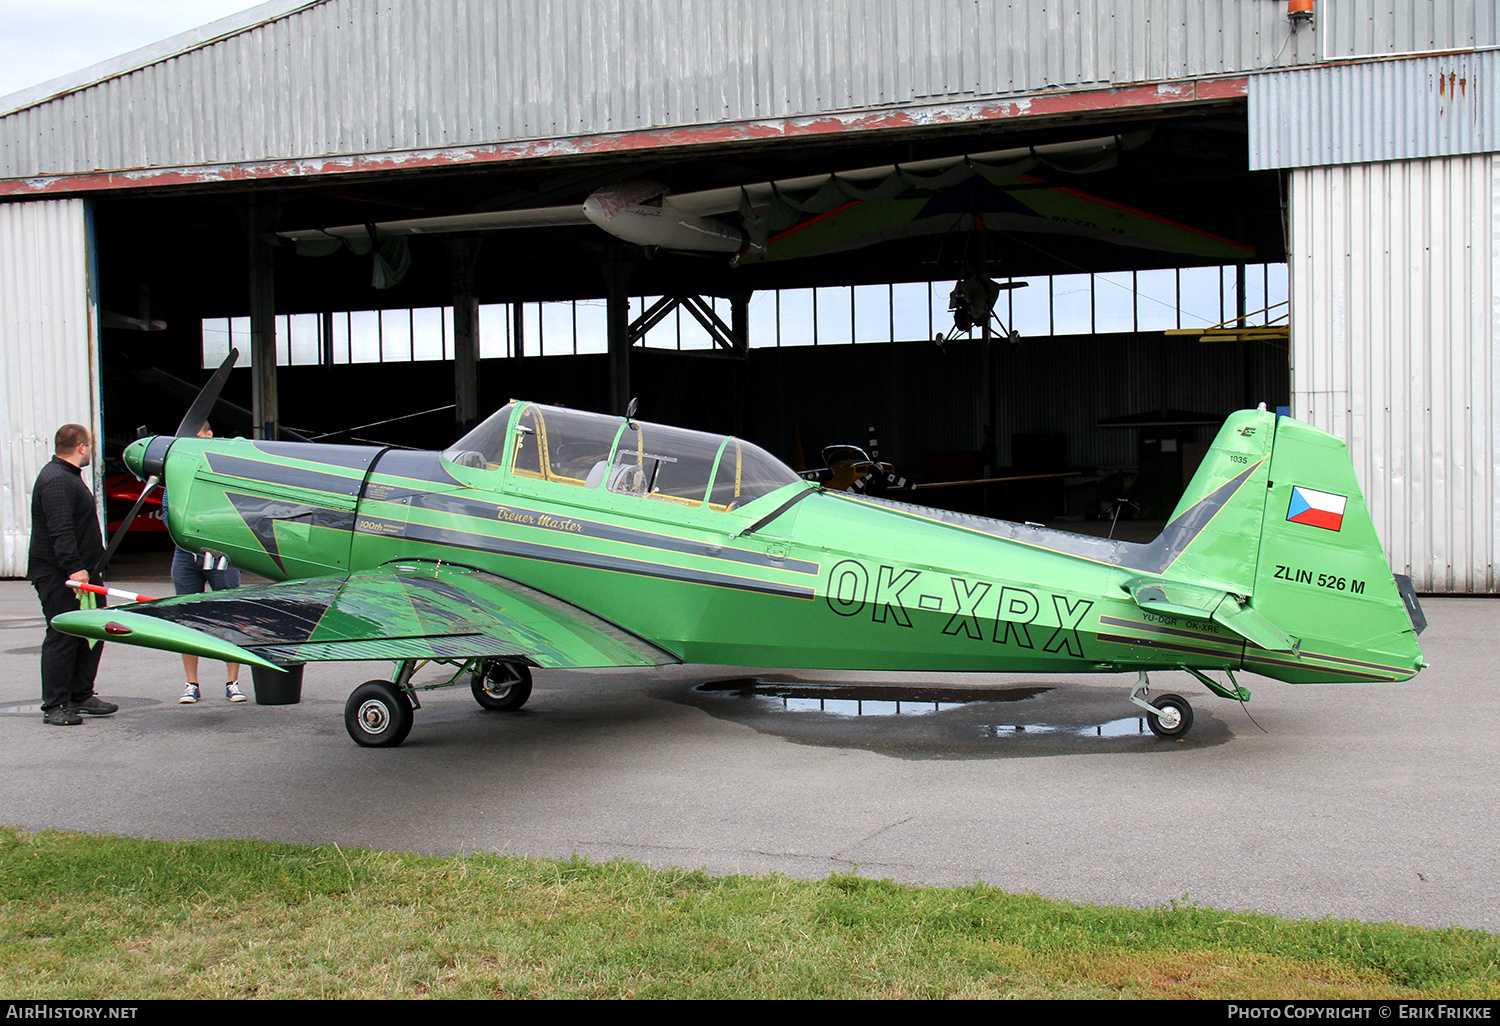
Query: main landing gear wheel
{"type": "Point", "coordinates": [502, 687]}
{"type": "Point", "coordinates": [378, 715]}
{"type": "Point", "coordinates": [1174, 718]}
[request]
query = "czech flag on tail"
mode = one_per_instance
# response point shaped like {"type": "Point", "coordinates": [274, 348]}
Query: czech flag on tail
{"type": "Point", "coordinates": [1316, 509]}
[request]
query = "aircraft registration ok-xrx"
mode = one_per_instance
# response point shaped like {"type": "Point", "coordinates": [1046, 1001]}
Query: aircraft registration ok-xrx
{"type": "Point", "coordinates": [554, 538]}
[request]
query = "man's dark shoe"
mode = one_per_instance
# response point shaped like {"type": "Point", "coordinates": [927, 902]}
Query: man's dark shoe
{"type": "Point", "coordinates": [96, 706]}
{"type": "Point", "coordinates": [61, 716]}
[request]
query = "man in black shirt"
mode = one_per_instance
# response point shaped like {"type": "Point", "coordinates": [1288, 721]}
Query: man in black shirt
{"type": "Point", "coordinates": [66, 545]}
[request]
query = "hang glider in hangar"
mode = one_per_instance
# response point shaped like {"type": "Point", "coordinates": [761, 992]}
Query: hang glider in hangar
{"type": "Point", "coordinates": [821, 214]}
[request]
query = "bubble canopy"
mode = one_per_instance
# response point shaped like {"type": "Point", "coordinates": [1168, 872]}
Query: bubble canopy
{"type": "Point", "coordinates": [626, 457]}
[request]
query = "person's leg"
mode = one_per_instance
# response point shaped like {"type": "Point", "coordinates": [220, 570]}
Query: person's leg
{"type": "Point", "coordinates": [187, 576]}
{"type": "Point", "coordinates": [225, 580]}
{"type": "Point", "coordinates": [59, 650]}
{"type": "Point", "coordinates": [190, 692]}
{"type": "Point", "coordinates": [188, 579]}
{"type": "Point", "coordinates": [86, 668]}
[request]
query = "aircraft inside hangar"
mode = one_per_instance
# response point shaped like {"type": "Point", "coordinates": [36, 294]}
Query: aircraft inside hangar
{"type": "Point", "coordinates": [827, 321]}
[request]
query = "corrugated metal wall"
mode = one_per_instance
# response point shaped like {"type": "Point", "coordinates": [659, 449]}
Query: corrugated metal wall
{"type": "Point", "coordinates": [48, 351]}
{"type": "Point", "coordinates": [1445, 105]}
{"type": "Point", "coordinates": [361, 77]}
{"type": "Point", "coordinates": [1361, 28]}
{"type": "Point", "coordinates": [1395, 303]}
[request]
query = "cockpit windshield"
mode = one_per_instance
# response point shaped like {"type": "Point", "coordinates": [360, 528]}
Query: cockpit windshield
{"type": "Point", "coordinates": [591, 450]}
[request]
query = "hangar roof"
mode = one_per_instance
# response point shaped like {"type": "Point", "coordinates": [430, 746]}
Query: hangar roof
{"type": "Point", "coordinates": [337, 86]}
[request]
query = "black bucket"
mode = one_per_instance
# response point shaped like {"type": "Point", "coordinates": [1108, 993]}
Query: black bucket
{"type": "Point", "coordinates": [277, 687]}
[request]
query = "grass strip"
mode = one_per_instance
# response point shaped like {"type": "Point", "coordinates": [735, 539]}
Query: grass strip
{"type": "Point", "coordinates": [96, 917]}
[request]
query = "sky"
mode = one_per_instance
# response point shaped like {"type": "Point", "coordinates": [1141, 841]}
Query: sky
{"type": "Point", "coordinates": [43, 39]}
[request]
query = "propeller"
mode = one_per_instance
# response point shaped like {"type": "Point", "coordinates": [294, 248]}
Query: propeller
{"type": "Point", "coordinates": [192, 423]}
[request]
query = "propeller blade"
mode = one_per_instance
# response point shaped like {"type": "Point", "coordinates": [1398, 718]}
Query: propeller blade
{"type": "Point", "coordinates": [114, 543]}
{"type": "Point", "coordinates": [197, 414]}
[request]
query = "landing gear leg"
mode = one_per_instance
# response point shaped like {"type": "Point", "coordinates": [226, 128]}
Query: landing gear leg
{"type": "Point", "coordinates": [1167, 715]}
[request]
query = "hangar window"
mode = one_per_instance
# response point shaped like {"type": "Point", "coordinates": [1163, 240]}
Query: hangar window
{"type": "Point", "coordinates": [1030, 307]}
{"type": "Point", "coordinates": [1045, 305]}
{"type": "Point", "coordinates": [1156, 299]}
{"type": "Point", "coordinates": [1114, 302]}
{"type": "Point", "coordinates": [911, 311]}
{"type": "Point", "coordinates": [1072, 304]}
{"type": "Point", "coordinates": [339, 337]}
{"type": "Point", "coordinates": [1040, 306]}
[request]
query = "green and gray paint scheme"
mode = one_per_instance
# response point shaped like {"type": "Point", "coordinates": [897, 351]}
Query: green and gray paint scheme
{"type": "Point", "coordinates": [398, 555]}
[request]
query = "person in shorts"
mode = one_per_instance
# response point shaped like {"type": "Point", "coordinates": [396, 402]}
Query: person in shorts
{"type": "Point", "coordinates": [189, 578]}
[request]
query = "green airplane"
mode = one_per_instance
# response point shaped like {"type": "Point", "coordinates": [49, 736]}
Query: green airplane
{"type": "Point", "coordinates": [555, 538]}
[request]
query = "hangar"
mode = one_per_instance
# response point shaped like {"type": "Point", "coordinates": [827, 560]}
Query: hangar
{"type": "Point", "coordinates": [357, 196]}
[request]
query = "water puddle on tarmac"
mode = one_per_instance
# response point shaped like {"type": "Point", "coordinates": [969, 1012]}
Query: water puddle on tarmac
{"type": "Point", "coordinates": [1130, 726]}
{"type": "Point", "coordinates": [866, 701]}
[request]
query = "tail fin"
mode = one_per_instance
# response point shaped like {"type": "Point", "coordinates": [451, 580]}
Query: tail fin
{"type": "Point", "coordinates": [1322, 573]}
{"type": "Point", "coordinates": [1274, 520]}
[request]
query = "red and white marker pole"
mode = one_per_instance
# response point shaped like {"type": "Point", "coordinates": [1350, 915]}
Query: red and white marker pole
{"type": "Point", "coordinates": [114, 593]}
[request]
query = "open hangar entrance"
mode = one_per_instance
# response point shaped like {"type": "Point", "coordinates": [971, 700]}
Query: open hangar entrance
{"type": "Point", "coordinates": [825, 348]}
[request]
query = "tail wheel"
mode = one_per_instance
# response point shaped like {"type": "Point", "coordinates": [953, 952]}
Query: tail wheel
{"type": "Point", "coordinates": [502, 687]}
{"type": "Point", "coordinates": [1174, 717]}
{"type": "Point", "coordinates": [377, 715]}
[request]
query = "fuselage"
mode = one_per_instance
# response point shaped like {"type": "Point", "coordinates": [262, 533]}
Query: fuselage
{"type": "Point", "coordinates": [775, 573]}
{"type": "Point", "coordinates": [639, 212]}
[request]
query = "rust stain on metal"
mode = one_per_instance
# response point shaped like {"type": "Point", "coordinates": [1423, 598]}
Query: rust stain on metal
{"type": "Point", "coordinates": [1034, 105]}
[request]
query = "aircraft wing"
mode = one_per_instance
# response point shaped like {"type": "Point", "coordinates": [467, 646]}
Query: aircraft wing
{"type": "Point", "coordinates": [707, 202]}
{"type": "Point", "coordinates": [411, 609]}
{"type": "Point", "coordinates": [533, 217]}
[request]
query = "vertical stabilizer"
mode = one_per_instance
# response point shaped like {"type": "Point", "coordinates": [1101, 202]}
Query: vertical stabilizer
{"type": "Point", "coordinates": [1322, 574]}
{"type": "Point", "coordinates": [1273, 540]}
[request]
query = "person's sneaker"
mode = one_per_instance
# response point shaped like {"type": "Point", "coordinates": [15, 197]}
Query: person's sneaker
{"type": "Point", "coordinates": [190, 694]}
{"type": "Point", "coordinates": [233, 693]}
{"type": "Point", "coordinates": [61, 716]}
{"type": "Point", "coordinates": [96, 706]}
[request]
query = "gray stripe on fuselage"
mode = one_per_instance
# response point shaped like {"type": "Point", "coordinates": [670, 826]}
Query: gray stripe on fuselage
{"type": "Point", "coordinates": [1154, 557]}
{"type": "Point", "coordinates": [485, 510]}
{"type": "Point", "coordinates": [283, 474]}
{"type": "Point", "coordinates": [351, 457]}
{"type": "Point", "coordinates": [416, 465]}
{"type": "Point", "coordinates": [573, 557]}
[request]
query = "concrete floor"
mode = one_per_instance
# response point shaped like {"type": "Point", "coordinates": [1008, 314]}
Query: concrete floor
{"type": "Point", "coordinates": [1374, 802]}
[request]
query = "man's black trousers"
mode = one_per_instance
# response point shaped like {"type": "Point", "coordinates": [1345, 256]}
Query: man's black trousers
{"type": "Point", "coordinates": [68, 663]}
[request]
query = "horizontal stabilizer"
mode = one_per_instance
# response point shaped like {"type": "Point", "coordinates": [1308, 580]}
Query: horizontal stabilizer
{"type": "Point", "coordinates": [1254, 628]}
{"type": "Point", "coordinates": [1170, 598]}
{"type": "Point", "coordinates": [1197, 602]}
